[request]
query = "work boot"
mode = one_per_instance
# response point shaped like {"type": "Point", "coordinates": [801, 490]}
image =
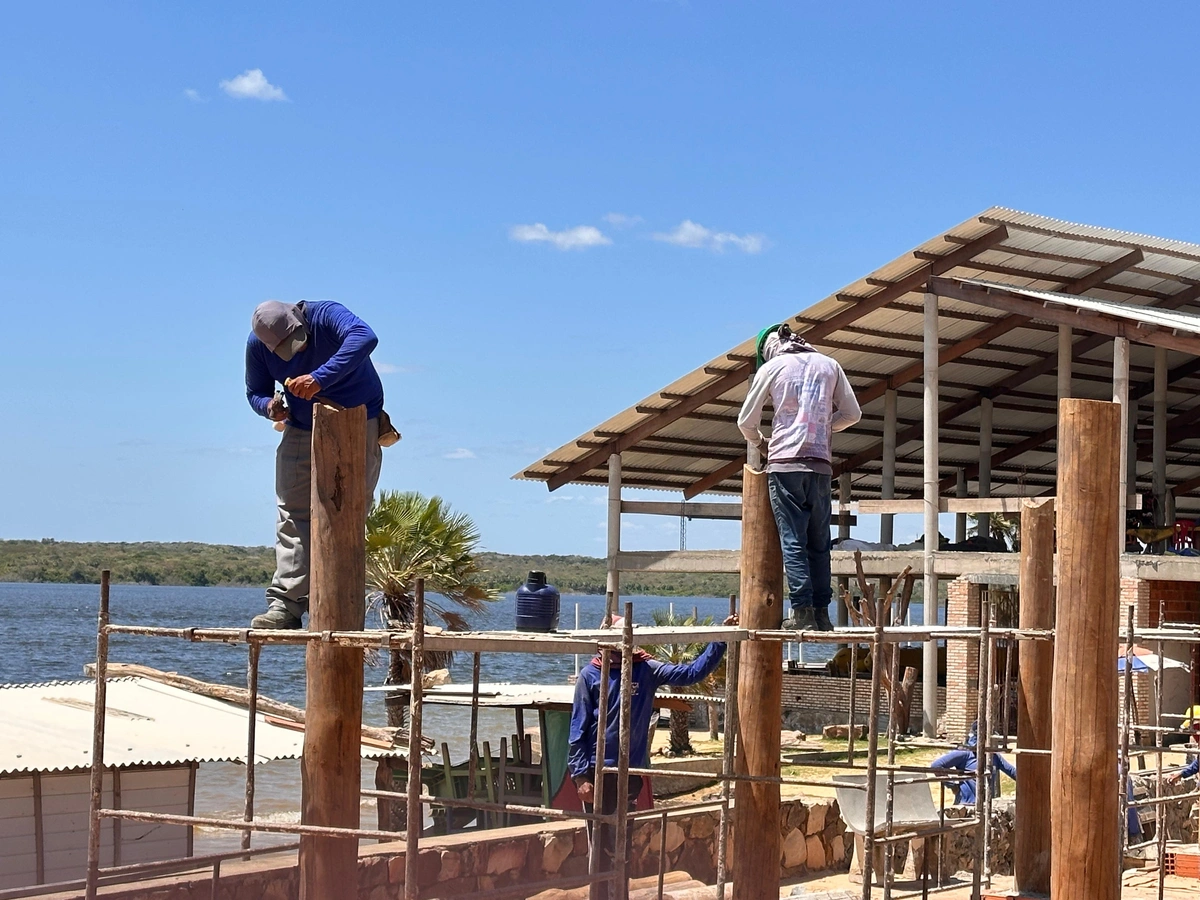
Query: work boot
{"type": "Point", "coordinates": [822, 617]}
{"type": "Point", "coordinates": [275, 618]}
{"type": "Point", "coordinates": [803, 618]}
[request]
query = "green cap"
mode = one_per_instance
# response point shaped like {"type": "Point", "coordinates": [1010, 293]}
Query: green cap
{"type": "Point", "coordinates": [761, 341]}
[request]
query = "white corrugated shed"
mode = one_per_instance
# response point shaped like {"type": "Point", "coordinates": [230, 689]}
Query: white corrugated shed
{"type": "Point", "coordinates": [48, 727]}
{"type": "Point", "coordinates": [684, 437]}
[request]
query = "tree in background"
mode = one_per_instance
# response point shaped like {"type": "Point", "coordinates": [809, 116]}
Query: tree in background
{"type": "Point", "coordinates": [681, 741]}
{"type": "Point", "coordinates": [410, 536]}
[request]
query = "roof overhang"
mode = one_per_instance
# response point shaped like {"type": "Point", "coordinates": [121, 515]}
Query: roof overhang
{"type": "Point", "coordinates": [684, 436]}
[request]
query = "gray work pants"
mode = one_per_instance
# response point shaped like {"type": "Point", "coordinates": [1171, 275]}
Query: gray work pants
{"type": "Point", "coordinates": [293, 493]}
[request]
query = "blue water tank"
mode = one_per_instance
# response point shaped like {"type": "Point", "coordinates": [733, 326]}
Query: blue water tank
{"type": "Point", "coordinates": [537, 604]}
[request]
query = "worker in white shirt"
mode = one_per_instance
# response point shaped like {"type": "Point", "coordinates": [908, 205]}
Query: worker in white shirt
{"type": "Point", "coordinates": [812, 399]}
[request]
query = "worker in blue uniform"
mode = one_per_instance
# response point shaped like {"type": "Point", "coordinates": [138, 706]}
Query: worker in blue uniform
{"type": "Point", "coordinates": [965, 759]}
{"type": "Point", "coordinates": [649, 675]}
{"type": "Point", "coordinates": [312, 351]}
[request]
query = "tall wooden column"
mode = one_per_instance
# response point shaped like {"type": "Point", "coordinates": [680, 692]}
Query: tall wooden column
{"type": "Point", "coordinates": [331, 766]}
{"type": "Point", "coordinates": [1084, 807]}
{"type": "Point", "coordinates": [760, 685]}
{"type": "Point", "coordinates": [1031, 850]}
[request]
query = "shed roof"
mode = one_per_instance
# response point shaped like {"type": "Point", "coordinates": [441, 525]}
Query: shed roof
{"type": "Point", "coordinates": [48, 727]}
{"type": "Point", "coordinates": [684, 436]}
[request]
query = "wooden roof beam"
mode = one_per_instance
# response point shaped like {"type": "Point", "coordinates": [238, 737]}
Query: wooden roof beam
{"type": "Point", "coordinates": [1099, 323]}
{"type": "Point", "coordinates": [1009, 385]}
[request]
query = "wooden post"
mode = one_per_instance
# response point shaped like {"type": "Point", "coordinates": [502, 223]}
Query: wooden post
{"type": "Point", "coordinates": [760, 684]}
{"type": "Point", "coordinates": [1085, 838]}
{"type": "Point", "coordinates": [1160, 435]}
{"type": "Point", "coordinates": [1031, 850]}
{"type": "Point", "coordinates": [929, 599]}
{"type": "Point", "coordinates": [331, 767]}
{"type": "Point", "coordinates": [887, 489]}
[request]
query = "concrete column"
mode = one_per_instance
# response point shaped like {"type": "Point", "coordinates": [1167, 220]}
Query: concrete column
{"type": "Point", "coordinates": [1065, 360]}
{"type": "Point", "coordinates": [841, 616]}
{"type": "Point", "coordinates": [985, 462]}
{"type": "Point", "coordinates": [613, 585]}
{"type": "Point", "coordinates": [1121, 397]}
{"type": "Point", "coordinates": [1160, 435]}
{"type": "Point", "coordinates": [960, 519]}
{"type": "Point", "coordinates": [888, 488]}
{"type": "Point", "coordinates": [929, 704]}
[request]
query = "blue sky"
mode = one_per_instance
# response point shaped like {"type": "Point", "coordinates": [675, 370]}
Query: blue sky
{"type": "Point", "coordinates": [697, 170]}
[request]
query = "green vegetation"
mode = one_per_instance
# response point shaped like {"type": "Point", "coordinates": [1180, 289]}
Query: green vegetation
{"type": "Point", "coordinates": [66, 562]}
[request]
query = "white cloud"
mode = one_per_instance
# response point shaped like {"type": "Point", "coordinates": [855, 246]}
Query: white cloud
{"type": "Point", "coordinates": [459, 453]}
{"type": "Point", "coordinates": [252, 85]}
{"type": "Point", "coordinates": [384, 368]}
{"type": "Point", "coordinates": [194, 95]}
{"type": "Point", "coordinates": [620, 220]}
{"type": "Point", "coordinates": [693, 234]}
{"type": "Point", "coordinates": [568, 239]}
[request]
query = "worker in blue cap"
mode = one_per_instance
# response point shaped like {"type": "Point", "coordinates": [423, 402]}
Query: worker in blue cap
{"type": "Point", "coordinates": [313, 351]}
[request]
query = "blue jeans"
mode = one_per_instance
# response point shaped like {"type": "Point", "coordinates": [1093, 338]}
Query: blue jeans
{"type": "Point", "coordinates": [801, 504]}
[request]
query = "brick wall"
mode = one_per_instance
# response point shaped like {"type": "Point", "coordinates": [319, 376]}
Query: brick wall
{"type": "Point", "coordinates": [1180, 601]}
{"type": "Point", "coordinates": [963, 603]}
{"type": "Point", "coordinates": [810, 702]}
{"type": "Point", "coordinates": [1136, 593]}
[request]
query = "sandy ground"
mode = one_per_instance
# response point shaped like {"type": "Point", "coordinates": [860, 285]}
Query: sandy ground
{"type": "Point", "coordinates": [1138, 885]}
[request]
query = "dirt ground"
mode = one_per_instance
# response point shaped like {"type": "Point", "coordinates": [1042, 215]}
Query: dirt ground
{"type": "Point", "coordinates": [1138, 885]}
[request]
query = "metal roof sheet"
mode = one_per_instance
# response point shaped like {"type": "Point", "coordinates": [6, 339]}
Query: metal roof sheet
{"type": "Point", "coordinates": [48, 727]}
{"type": "Point", "coordinates": [873, 327]}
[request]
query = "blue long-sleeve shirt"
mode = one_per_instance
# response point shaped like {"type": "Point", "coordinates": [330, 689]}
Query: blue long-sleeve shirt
{"type": "Point", "coordinates": [965, 760]}
{"type": "Point", "coordinates": [1191, 768]}
{"type": "Point", "coordinates": [338, 355]}
{"type": "Point", "coordinates": [648, 677]}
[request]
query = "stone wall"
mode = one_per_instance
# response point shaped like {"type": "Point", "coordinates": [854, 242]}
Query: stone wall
{"type": "Point", "coordinates": [813, 839]}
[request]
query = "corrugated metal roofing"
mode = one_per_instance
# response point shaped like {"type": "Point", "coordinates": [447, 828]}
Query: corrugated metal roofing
{"type": "Point", "coordinates": [48, 727]}
{"type": "Point", "coordinates": [684, 437]}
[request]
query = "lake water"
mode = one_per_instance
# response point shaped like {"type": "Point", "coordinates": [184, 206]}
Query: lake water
{"type": "Point", "coordinates": [51, 632]}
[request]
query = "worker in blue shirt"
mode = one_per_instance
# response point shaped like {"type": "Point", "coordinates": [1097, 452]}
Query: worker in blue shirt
{"type": "Point", "coordinates": [317, 350]}
{"type": "Point", "coordinates": [649, 675]}
{"type": "Point", "coordinates": [965, 759]}
{"type": "Point", "coordinates": [1188, 771]}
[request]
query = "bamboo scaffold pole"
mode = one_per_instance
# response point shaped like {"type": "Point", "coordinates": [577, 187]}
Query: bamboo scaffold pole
{"type": "Point", "coordinates": [1160, 819]}
{"type": "Point", "coordinates": [732, 653]}
{"type": "Point", "coordinates": [893, 725]}
{"type": "Point", "coordinates": [872, 753]}
{"type": "Point", "coordinates": [1127, 708]}
{"type": "Point", "coordinates": [414, 821]}
{"type": "Point", "coordinates": [599, 889]}
{"type": "Point", "coordinates": [99, 710]}
{"type": "Point", "coordinates": [983, 756]}
{"type": "Point", "coordinates": [623, 730]}
{"type": "Point", "coordinates": [253, 650]}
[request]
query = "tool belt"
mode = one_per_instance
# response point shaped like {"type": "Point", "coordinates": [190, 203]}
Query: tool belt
{"type": "Point", "coordinates": [388, 434]}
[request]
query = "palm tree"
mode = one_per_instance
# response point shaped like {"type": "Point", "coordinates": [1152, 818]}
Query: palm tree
{"type": "Point", "coordinates": [410, 536]}
{"type": "Point", "coordinates": [681, 741]}
{"type": "Point", "coordinates": [1007, 528]}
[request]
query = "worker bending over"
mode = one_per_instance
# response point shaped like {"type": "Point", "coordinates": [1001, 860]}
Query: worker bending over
{"type": "Point", "coordinates": [965, 759]}
{"type": "Point", "coordinates": [812, 399]}
{"type": "Point", "coordinates": [314, 350]}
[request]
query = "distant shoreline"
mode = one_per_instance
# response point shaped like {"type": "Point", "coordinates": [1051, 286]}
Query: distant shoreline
{"type": "Point", "coordinates": [193, 564]}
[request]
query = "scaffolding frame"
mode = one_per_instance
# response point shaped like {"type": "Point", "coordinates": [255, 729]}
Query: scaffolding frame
{"type": "Point", "coordinates": [598, 877]}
